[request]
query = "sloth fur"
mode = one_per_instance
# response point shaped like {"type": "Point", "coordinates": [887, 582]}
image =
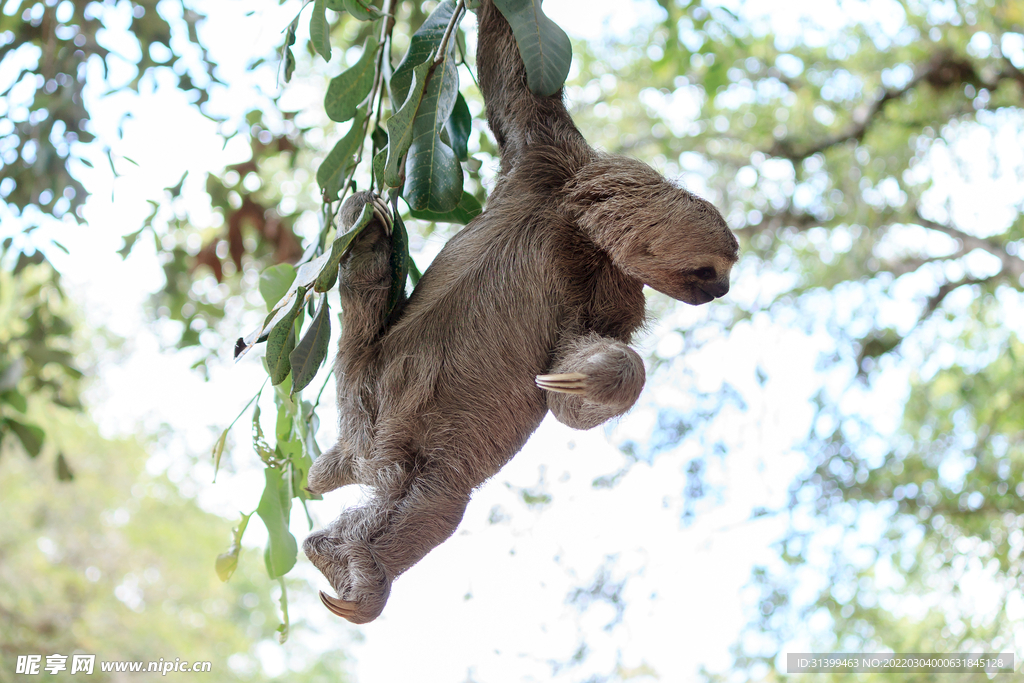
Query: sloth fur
{"type": "Point", "coordinates": [529, 308]}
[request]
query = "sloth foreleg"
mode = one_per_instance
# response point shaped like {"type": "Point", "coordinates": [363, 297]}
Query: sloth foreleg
{"type": "Point", "coordinates": [593, 379]}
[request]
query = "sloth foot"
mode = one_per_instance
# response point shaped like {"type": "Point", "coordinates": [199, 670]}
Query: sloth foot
{"type": "Point", "coordinates": [564, 382]}
{"type": "Point", "coordinates": [361, 584]}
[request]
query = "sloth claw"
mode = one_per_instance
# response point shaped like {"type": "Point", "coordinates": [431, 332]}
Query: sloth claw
{"type": "Point", "coordinates": [338, 607]}
{"type": "Point", "coordinates": [381, 213]}
{"type": "Point", "coordinates": [564, 383]}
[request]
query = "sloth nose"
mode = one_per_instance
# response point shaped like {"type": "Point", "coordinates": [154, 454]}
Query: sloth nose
{"type": "Point", "coordinates": [717, 288]}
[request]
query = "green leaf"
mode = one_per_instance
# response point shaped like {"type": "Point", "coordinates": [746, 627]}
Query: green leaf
{"type": "Point", "coordinates": [400, 125]}
{"type": "Point", "coordinates": [544, 47]}
{"type": "Point", "coordinates": [275, 510]}
{"type": "Point", "coordinates": [379, 160]}
{"type": "Point", "coordinates": [275, 282]}
{"type": "Point", "coordinates": [311, 351]}
{"type": "Point", "coordinates": [363, 11]}
{"type": "Point", "coordinates": [320, 30]}
{"type": "Point", "coordinates": [335, 167]}
{"type": "Point", "coordinates": [421, 48]}
{"type": "Point", "coordinates": [329, 275]}
{"type": "Point", "coordinates": [14, 399]}
{"type": "Point", "coordinates": [282, 340]}
{"type": "Point", "coordinates": [227, 561]}
{"type": "Point", "coordinates": [399, 261]}
{"type": "Point", "coordinates": [348, 90]}
{"type": "Point", "coordinates": [459, 126]}
{"type": "Point", "coordinates": [468, 209]}
{"type": "Point", "coordinates": [433, 175]}
{"type": "Point", "coordinates": [259, 443]}
{"type": "Point", "coordinates": [64, 472]}
{"type": "Point", "coordinates": [282, 628]}
{"type": "Point", "coordinates": [218, 451]}
{"type": "Point", "coordinates": [31, 436]}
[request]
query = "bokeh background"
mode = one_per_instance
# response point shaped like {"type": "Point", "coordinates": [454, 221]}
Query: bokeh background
{"type": "Point", "coordinates": [828, 460]}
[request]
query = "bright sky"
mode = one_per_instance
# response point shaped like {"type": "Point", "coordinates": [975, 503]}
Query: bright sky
{"type": "Point", "coordinates": [491, 603]}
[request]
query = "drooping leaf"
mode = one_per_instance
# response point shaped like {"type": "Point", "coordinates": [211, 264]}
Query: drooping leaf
{"type": "Point", "coordinates": [459, 126]}
{"type": "Point", "coordinates": [259, 442]}
{"type": "Point", "coordinates": [282, 340]}
{"type": "Point", "coordinates": [31, 436]}
{"type": "Point", "coordinates": [282, 628]}
{"type": "Point", "coordinates": [218, 451]}
{"type": "Point", "coordinates": [543, 45]}
{"type": "Point", "coordinates": [348, 90]}
{"type": "Point", "coordinates": [320, 30]}
{"type": "Point", "coordinates": [14, 399]}
{"type": "Point", "coordinates": [399, 261]}
{"type": "Point", "coordinates": [64, 472]}
{"type": "Point", "coordinates": [400, 126]}
{"type": "Point", "coordinates": [363, 11]}
{"type": "Point", "coordinates": [433, 175]}
{"type": "Point", "coordinates": [468, 208]}
{"type": "Point", "coordinates": [379, 160]}
{"type": "Point", "coordinates": [336, 165]}
{"type": "Point", "coordinates": [329, 275]}
{"type": "Point", "coordinates": [289, 40]}
{"type": "Point", "coordinates": [309, 354]}
{"type": "Point", "coordinates": [274, 509]}
{"type": "Point", "coordinates": [421, 47]}
{"type": "Point", "coordinates": [275, 282]}
{"type": "Point", "coordinates": [227, 561]}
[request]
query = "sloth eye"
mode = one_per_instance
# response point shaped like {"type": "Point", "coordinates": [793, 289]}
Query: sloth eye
{"type": "Point", "coordinates": [706, 273]}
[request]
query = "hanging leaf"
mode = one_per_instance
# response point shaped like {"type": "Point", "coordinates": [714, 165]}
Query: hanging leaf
{"type": "Point", "coordinates": [399, 261]}
{"type": "Point", "coordinates": [320, 30]}
{"type": "Point", "coordinates": [289, 40]}
{"type": "Point", "coordinates": [259, 443]}
{"type": "Point", "coordinates": [339, 248]}
{"type": "Point", "coordinates": [544, 47]}
{"type": "Point", "coordinates": [282, 340]}
{"type": "Point", "coordinates": [459, 126]}
{"type": "Point", "coordinates": [348, 90]}
{"type": "Point", "coordinates": [422, 46]}
{"type": "Point", "coordinates": [31, 436]}
{"type": "Point", "coordinates": [468, 208]}
{"type": "Point", "coordinates": [218, 451]}
{"type": "Point", "coordinates": [309, 354]}
{"type": "Point", "coordinates": [432, 170]}
{"type": "Point", "coordinates": [400, 125]}
{"type": "Point", "coordinates": [227, 561]}
{"type": "Point", "coordinates": [64, 472]}
{"type": "Point", "coordinates": [336, 166]}
{"type": "Point", "coordinates": [275, 282]}
{"type": "Point", "coordinates": [363, 11]}
{"type": "Point", "coordinates": [274, 509]}
{"type": "Point", "coordinates": [379, 161]}
{"type": "Point", "coordinates": [282, 628]}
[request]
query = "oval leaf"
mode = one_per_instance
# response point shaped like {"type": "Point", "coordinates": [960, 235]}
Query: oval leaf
{"type": "Point", "coordinates": [282, 340]}
{"type": "Point", "coordinates": [348, 90]}
{"type": "Point", "coordinates": [335, 167]}
{"type": "Point", "coordinates": [275, 281]}
{"type": "Point", "coordinates": [274, 509]}
{"type": "Point", "coordinates": [227, 561]}
{"type": "Point", "coordinates": [421, 46]}
{"type": "Point", "coordinates": [459, 126]}
{"type": "Point", "coordinates": [307, 357]}
{"type": "Point", "coordinates": [320, 30]}
{"type": "Point", "coordinates": [363, 11]}
{"type": "Point", "coordinates": [433, 175]}
{"type": "Point", "coordinates": [400, 126]}
{"type": "Point", "coordinates": [544, 47]}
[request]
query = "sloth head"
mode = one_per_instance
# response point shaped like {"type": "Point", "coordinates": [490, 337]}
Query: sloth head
{"type": "Point", "coordinates": [664, 236]}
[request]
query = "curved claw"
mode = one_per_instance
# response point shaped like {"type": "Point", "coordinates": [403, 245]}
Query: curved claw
{"type": "Point", "coordinates": [564, 383]}
{"type": "Point", "coordinates": [338, 607]}
{"type": "Point", "coordinates": [381, 213]}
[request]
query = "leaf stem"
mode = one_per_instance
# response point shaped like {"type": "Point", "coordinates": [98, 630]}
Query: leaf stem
{"type": "Point", "coordinates": [460, 8]}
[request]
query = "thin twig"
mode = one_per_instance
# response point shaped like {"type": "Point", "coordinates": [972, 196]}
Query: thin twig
{"type": "Point", "coordinates": [452, 23]}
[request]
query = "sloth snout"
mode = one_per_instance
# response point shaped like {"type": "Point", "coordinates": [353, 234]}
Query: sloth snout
{"type": "Point", "coordinates": [717, 288]}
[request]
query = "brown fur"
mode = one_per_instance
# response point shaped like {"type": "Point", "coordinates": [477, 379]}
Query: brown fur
{"type": "Point", "coordinates": [436, 399]}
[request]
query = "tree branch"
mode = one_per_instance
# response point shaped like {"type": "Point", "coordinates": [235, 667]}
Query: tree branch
{"type": "Point", "coordinates": [1013, 266]}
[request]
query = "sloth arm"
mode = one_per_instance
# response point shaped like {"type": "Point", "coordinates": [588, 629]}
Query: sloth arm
{"type": "Point", "coordinates": [593, 378]}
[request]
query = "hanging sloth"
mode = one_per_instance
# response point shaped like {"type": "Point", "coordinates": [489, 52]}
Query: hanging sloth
{"type": "Point", "coordinates": [529, 308]}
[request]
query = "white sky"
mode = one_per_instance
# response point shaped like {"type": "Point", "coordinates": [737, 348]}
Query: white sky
{"type": "Point", "coordinates": [686, 600]}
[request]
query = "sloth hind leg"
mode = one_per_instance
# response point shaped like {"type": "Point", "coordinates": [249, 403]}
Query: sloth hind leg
{"type": "Point", "coordinates": [593, 379]}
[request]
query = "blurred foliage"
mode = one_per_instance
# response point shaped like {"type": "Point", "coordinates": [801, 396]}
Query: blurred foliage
{"type": "Point", "coordinates": [115, 566]}
{"type": "Point", "coordinates": [39, 354]}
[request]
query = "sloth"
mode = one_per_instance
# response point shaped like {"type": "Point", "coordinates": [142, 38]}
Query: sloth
{"type": "Point", "coordinates": [529, 308]}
